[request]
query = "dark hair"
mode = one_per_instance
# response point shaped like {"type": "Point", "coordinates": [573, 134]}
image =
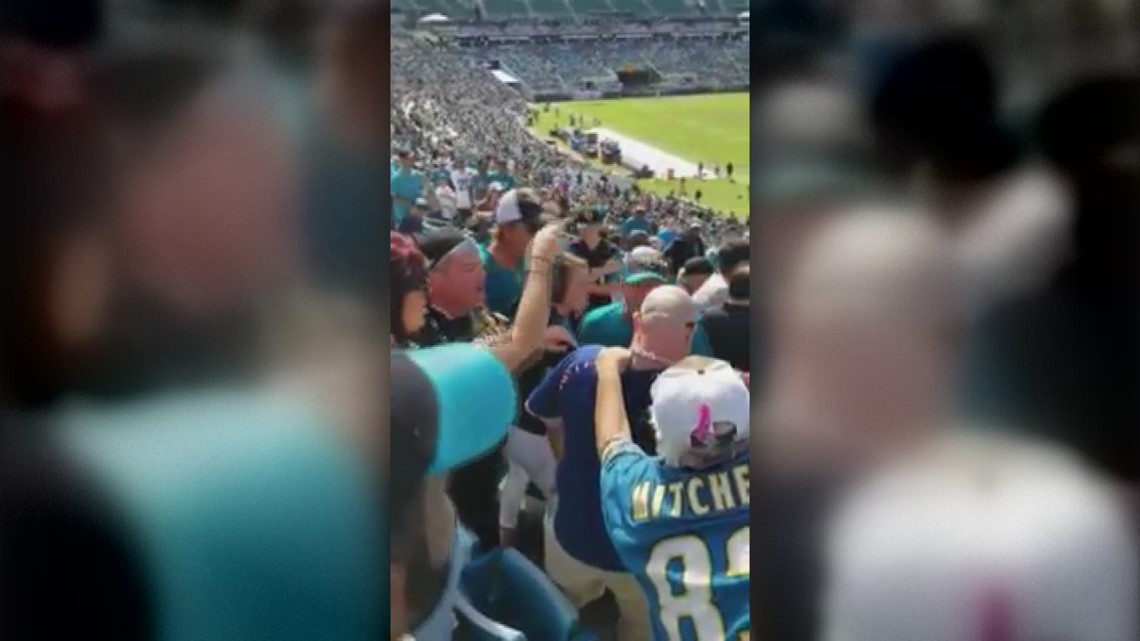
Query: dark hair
{"type": "Point", "coordinates": [733, 253]}
{"type": "Point", "coordinates": [408, 274]}
{"type": "Point", "coordinates": [740, 282]}
{"type": "Point", "coordinates": [564, 266]}
{"type": "Point", "coordinates": [698, 266]}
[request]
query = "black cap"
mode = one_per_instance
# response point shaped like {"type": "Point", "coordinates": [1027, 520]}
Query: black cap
{"type": "Point", "coordinates": [436, 244]}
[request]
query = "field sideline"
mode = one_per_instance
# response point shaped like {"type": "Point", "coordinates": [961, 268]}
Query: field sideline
{"type": "Point", "coordinates": [710, 128]}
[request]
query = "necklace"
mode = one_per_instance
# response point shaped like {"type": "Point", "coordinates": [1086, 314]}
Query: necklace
{"type": "Point", "coordinates": [648, 355]}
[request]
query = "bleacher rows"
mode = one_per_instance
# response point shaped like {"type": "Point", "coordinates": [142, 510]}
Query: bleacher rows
{"type": "Point", "coordinates": [571, 8]}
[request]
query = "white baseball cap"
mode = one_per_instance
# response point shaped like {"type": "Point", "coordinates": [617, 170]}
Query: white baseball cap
{"type": "Point", "coordinates": [985, 540]}
{"type": "Point", "coordinates": [510, 209]}
{"type": "Point", "coordinates": [701, 407]}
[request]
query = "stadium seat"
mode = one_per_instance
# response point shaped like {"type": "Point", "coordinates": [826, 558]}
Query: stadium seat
{"type": "Point", "coordinates": [475, 626]}
{"type": "Point", "coordinates": [506, 587]}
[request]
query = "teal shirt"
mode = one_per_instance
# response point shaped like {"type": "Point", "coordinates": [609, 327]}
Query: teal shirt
{"type": "Point", "coordinates": [502, 286]}
{"type": "Point", "coordinates": [408, 185]}
{"type": "Point", "coordinates": [608, 326]}
{"type": "Point", "coordinates": [506, 180]}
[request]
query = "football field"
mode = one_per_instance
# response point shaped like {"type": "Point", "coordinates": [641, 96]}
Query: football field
{"type": "Point", "coordinates": [710, 129]}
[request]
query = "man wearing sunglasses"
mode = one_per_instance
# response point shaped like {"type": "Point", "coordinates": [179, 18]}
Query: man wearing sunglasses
{"type": "Point", "coordinates": [613, 325]}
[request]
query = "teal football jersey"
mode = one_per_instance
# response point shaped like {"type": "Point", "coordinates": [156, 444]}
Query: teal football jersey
{"type": "Point", "coordinates": [684, 534]}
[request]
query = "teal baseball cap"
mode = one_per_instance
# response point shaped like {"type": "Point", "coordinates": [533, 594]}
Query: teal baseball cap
{"type": "Point", "coordinates": [450, 404]}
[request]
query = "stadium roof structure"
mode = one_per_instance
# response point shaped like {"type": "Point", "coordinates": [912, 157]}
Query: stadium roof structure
{"type": "Point", "coordinates": [433, 18]}
{"type": "Point", "coordinates": [744, 16]}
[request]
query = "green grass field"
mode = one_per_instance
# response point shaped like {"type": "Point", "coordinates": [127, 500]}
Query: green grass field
{"type": "Point", "coordinates": [712, 129]}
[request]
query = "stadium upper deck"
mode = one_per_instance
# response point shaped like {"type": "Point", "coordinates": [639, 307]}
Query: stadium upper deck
{"type": "Point", "coordinates": [498, 9]}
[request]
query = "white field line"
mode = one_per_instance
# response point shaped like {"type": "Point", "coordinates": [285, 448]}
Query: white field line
{"type": "Point", "coordinates": [635, 153]}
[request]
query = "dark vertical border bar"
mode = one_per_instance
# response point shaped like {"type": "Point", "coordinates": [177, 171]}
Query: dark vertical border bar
{"type": "Point", "coordinates": [385, 216]}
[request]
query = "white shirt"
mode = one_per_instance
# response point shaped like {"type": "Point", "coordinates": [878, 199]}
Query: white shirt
{"type": "Point", "coordinates": [712, 292]}
{"type": "Point", "coordinates": [463, 179]}
{"type": "Point", "coordinates": [448, 201]}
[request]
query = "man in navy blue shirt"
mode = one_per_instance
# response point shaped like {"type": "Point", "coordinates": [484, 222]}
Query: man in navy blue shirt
{"type": "Point", "coordinates": [580, 557]}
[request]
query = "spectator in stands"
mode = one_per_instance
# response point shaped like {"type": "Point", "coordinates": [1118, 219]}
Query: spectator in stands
{"type": "Point", "coordinates": [409, 278]}
{"type": "Point", "coordinates": [447, 198]}
{"type": "Point", "coordinates": [527, 450]}
{"type": "Point", "coordinates": [637, 221]}
{"type": "Point", "coordinates": [603, 257]}
{"type": "Point", "coordinates": [413, 222]}
{"type": "Point", "coordinates": [686, 246]}
{"type": "Point", "coordinates": [729, 256]}
{"type": "Point", "coordinates": [407, 186]}
{"type": "Point", "coordinates": [612, 325]}
{"type": "Point", "coordinates": [729, 325]}
{"type": "Point", "coordinates": [696, 271]}
{"type": "Point", "coordinates": [701, 415]}
{"type": "Point", "coordinates": [518, 217]}
{"type": "Point", "coordinates": [457, 315]}
{"type": "Point", "coordinates": [501, 174]}
{"type": "Point", "coordinates": [580, 557]}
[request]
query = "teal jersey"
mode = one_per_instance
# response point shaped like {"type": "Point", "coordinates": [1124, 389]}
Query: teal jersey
{"type": "Point", "coordinates": [607, 326]}
{"type": "Point", "coordinates": [502, 286]}
{"type": "Point", "coordinates": [506, 180]}
{"type": "Point", "coordinates": [684, 535]}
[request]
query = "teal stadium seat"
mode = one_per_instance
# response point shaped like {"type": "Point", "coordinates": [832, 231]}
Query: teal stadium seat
{"type": "Point", "coordinates": [510, 590]}
{"type": "Point", "coordinates": [475, 626]}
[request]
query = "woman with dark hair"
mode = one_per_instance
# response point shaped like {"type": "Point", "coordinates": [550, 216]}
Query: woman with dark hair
{"type": "Point", "coordinates": [409, 289]}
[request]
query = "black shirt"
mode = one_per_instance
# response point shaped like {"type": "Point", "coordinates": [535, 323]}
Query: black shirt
{"type": "Point", "coordinates": [472, 487]}
{"type": "Point", "coordinates": [530, 378]}
{"type": "Point", "coordinates": [682, 249]}
{"type": "Point", "coordinates": [729, 330]}
{"type": "Point", "coordinates": [595, 256]}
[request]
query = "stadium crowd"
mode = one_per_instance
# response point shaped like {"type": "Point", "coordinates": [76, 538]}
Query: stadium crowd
{"type": "Point", "coordinates": [205, 435]}
{"type": "Point", "coordinates": [918, 266]}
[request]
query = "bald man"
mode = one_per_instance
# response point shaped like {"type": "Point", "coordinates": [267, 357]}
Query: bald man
{"type": "Point", "coordinates": [864, 340]}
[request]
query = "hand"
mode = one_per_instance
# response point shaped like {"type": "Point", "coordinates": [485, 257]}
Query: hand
{"type": "Point", "coordinates": [545, 245]}
{"type": "Point", "coordinates": [613, 359]}
{"type": "Point", "coordinates": [558, 339]}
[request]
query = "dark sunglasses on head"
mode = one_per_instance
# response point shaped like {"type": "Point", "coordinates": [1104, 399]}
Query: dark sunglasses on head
{"type": "Point", "coordinates": [468, 246]}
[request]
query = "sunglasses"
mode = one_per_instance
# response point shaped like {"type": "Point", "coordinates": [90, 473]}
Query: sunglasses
{"type": "Point", "coordinates": [467, 247]}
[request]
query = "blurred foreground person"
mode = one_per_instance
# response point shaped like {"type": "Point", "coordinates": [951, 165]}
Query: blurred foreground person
{"type": "Point", "coordinates": [865, 344]}
{"type": "Point", "coordinates": [862, 371]}
{"type": "Point", "coordinates": [450, 405]}
{"type": "Point", "coordinates": [936, 117]}
{"type": "Point", "coordinates": [981, 538]}
{"type": "Point", "coordinates": [1062, 362]}
{"type": "Point", "coordinates": [698, 538]}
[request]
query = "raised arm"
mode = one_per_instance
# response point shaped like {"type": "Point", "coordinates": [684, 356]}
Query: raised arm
{"type": "Point", "coordinates": [534, 305]}
{"type": "Point", "coordinates": [610, 421]}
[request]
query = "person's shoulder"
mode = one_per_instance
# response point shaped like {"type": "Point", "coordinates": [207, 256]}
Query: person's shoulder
{"type": "Point", "coordinates": [598, 313]}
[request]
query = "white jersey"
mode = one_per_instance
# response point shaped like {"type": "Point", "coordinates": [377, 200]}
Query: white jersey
{"type": "Point", "coordinates": [463, 180]}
